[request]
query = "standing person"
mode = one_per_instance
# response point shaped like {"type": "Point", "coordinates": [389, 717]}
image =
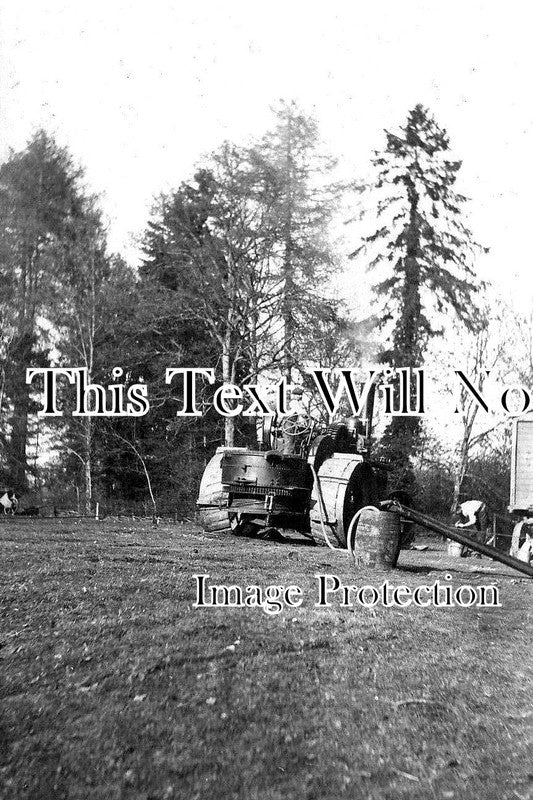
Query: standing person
{"type": "Point", "coordinates": [473, 515]}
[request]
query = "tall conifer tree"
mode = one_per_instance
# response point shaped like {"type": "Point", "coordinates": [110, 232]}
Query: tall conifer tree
{"type": "Point", "coordinates": [305, 204]}
{"type": "Point", "coordinates": [422, 250]}
{"type": "Point", "coordinates": [40, 200]}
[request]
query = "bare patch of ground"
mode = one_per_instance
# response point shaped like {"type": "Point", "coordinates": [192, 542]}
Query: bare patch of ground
{"type": "Point", "coordinates": [114, 686]}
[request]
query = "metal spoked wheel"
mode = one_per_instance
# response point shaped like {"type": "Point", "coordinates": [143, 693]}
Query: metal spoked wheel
{"type": "Point", "coordinates": [296, 425]}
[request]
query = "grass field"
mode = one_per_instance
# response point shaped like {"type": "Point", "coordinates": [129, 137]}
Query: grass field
{"type": "Point", "coordinates": [114, 686]}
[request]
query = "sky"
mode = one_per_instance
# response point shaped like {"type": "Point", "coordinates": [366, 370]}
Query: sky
{"type": "Point", "coordinates": [138, 92]}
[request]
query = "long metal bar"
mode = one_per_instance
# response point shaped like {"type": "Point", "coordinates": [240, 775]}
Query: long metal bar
{"type": "Point", "coordinates": [454, 534]}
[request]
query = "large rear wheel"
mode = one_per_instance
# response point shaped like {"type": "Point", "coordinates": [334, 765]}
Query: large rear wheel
{"type": "Point", "coordinates": [345, 484]}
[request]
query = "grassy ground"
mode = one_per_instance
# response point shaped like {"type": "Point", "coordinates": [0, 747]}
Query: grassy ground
{"type": "Point", "coordinates": [114, 686]}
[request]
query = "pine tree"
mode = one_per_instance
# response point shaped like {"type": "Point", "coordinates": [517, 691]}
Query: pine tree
{"type": "Point", "coordinates": [208, 252]}
{"type": "Point", "coordinates": [424, 242]}
{"type": "Point", "coordinates": [422, 249]}
{"type": "Point", "coordinates": [86, 294]}
{"type": "Point", "coordinates": [305, 204]}
{"type": "Point", "coordinates": [40, 198]}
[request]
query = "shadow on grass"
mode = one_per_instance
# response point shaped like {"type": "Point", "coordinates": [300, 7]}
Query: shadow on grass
{"type": "Point", "coordinates": [432, 568]}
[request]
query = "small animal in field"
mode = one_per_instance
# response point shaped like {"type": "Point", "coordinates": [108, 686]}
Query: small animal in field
{"type": "Point", "coordinates": [525, 551]}
{"type": "Point", "coordinates": [8, 501]}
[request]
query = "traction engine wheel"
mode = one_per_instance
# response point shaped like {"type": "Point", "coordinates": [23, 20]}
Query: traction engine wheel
{"type": "Point", "coordinates": [345, 484]}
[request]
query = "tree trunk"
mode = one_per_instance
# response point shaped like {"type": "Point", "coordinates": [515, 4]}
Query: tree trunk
{"type": "Point", "coordinates": [288, 266]}
{"type": "Point", "coordinates": [19, 420]}
{"type": "Point", "coordinates": [410, 345]}
{"type": "Point", "coordinates": [288, 322]}
{"type": "Point", "coordinates": [460, 472]}
{"type": "Point", "coordinates": [469, 417]}
{"type": "Point", "coordinates": [403, 433]}
{"type": "Point", "coordinates": [229, 422]}
{"type": "Point", "coordinates": [19, 437]}
{"type": "Point", "coordinates": [87, 477]}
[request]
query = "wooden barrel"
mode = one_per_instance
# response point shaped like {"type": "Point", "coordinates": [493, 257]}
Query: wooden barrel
{"type": "Point", "coordinates": [212, 509]}
{"type": "Point", "coordinates": [336, 496]}
{"type": "Point", "coordinates": [377, 539]}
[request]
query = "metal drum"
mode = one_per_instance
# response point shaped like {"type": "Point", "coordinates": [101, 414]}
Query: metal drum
{"type": "Point", "coordinates": [454, 549]}
{"type": "Point", "coordinates": [377, 539]}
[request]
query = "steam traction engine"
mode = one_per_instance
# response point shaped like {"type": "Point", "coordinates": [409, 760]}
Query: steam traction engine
{"type": "Point", "coordinates": [314, 481]}
{"type": "Point", "coordinates": [300, 479]}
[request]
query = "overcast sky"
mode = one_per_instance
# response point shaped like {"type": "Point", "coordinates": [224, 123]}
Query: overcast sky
{"type": "Point", "coordinates": [139, 91]}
